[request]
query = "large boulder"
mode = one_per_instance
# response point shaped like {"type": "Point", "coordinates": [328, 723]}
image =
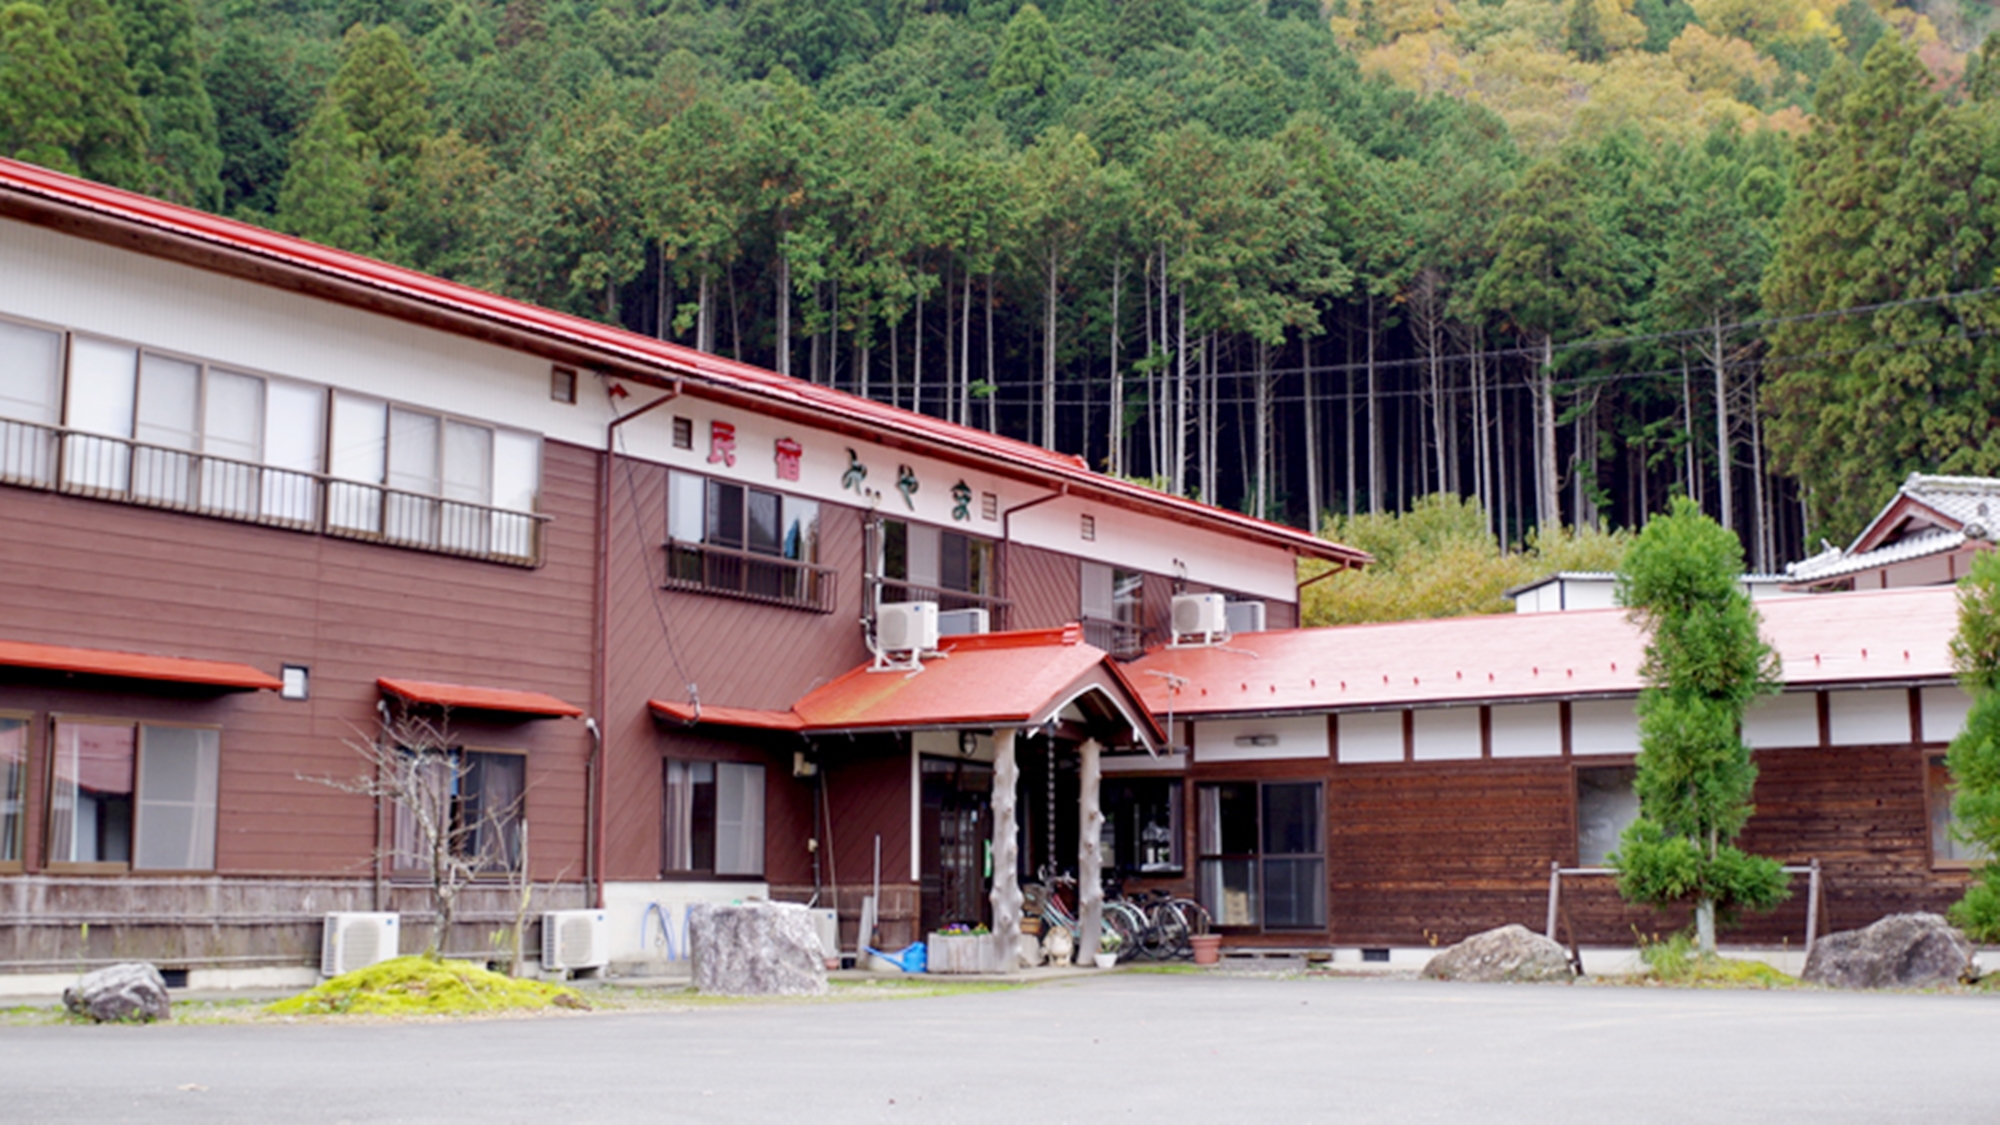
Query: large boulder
{"type": "Point", "coordinates": [1510, 953]}
{"type": "Point", "coordinates": [1900, 951]}
{"type": "Point", "coordinates": [131, 991]}
{"type": "Point", "coordinates": [755, 949]}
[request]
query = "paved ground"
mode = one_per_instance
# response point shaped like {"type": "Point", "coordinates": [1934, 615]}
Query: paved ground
{"type": "Point", "coordinates": [1124, 1046]}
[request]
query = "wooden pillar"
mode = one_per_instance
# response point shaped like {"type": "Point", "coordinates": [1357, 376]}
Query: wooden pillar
{"type": "Point", "coordinates": [1006, 893]}
{"type": "Point", "coordinates": [1090, 856]}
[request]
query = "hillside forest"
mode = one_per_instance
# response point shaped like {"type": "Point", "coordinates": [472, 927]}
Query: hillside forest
{"type": "Point", "coordinates": [1557, 260]}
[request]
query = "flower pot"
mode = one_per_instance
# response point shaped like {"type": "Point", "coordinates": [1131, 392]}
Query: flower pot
{"type": "Point", "coordinates": [1207, 948]}
{"type": "Point", "coordinates": [1107, 960]}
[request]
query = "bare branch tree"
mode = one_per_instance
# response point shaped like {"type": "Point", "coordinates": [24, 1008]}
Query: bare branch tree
{"type": "Point", "coordinates": [443, 825]}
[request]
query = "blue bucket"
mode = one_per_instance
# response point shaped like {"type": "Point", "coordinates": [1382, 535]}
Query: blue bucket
{"type": "Point", "coordinates": [911, 960]}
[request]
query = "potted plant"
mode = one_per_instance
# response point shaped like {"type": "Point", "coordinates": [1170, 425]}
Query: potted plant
{"type": "Point", "coordinates": [1207, 947]}
{"type": "Point", "coordinates": [1108, 949]}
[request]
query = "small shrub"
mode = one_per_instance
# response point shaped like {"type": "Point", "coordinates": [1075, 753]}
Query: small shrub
{"type": "Point", "coordinates": [1676, 960]}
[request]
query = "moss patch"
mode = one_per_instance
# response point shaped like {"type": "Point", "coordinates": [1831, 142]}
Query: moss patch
{"type": "Point", "coordinates": [423, 986]}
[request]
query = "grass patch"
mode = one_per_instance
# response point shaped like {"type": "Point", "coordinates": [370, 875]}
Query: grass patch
{"type": "Point", "coordinates": [1675, 961]}
{"type": "Point", "coordinates": [425, 986]}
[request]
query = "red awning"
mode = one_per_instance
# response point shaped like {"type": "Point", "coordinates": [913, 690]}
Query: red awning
{"type": "Point", "coordinates": [480, 698]}
{"type": "Point", "coordinates": [136, 666]}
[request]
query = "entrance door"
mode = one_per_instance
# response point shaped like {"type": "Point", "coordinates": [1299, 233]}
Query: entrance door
{"type": "Point", "coordinates": [952, 850]}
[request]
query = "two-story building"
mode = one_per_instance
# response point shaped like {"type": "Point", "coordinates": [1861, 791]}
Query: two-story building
{"type": "Point", "coordinates": [266, 498]}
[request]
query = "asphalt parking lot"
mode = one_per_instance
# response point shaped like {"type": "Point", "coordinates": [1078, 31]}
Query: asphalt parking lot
{"type": "Point", "coordinates": [1120, 1046]}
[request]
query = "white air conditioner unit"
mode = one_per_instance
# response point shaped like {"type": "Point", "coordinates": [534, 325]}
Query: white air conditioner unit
{"type": "Point", "coordinates": [959, 622]}
{"type": "Point", "coordinates": [827, 923]}
{"type": "Point", "coordinates": [907, 627]}
{"type": "Point", "coordinates": [574, 939]}
{"type": "Point", "coordinates": [1200, 619]}
{"type": "Point", "coordinates": [1244, 617]}
{"type": "Point", "coordinates": [356, 941]}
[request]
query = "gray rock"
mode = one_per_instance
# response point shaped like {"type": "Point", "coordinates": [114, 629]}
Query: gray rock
{"type": "Point", "coordinates": [1900, 951]}
{"type": "Point", "coordinates": [133, 990]}
{"type": "Point", "coordinates": [756, 949]}
{"type": "Point", "coordinates": [1510, 953]}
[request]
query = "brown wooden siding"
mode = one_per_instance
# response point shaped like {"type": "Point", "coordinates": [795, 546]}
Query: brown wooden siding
{"type": "Point", "coordinates": [735, 654]}
{"type": "Point", "coordinates": [1046, 588]}
{"type": "Point", "coordinates": [106, 575]}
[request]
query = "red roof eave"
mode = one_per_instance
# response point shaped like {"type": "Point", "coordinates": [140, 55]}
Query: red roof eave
{"type": "Point", "coordinates": [468, 698]}
{"type": "Point", "coordinates": [640, 358]}
{"type": "Point", "coordinates": [136, 666]}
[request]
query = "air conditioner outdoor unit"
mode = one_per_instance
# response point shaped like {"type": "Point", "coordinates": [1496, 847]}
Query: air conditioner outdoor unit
{"type": "Point", "coordinates": [1200, 619]}
{"type": "Point", "coordinates": [356, 941]}
{"type": "Point", "coordinates": [574, 939]}
{"type": "Point", "coordinates": [1244, 617]}
{"type": "Point", "coordinates": [907, 627]}
{"type": "Point", "coordinates": [959, 622]}
{"type": "Point", "coordinates": [827, 923]}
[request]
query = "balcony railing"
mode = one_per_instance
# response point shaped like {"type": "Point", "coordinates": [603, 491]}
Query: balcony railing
{"type": "Point", "coordinates": [109, 468]}
{"type": "Point", "coordinates": [897, 590]}
{"type": "Point", "coordinates": [704, 568]}
{"type": "Point", "coordinates": [1122, 639]}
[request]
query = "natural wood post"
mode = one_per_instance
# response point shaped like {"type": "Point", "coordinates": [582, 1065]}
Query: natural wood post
{"type": "Point", "coordinates": [1090, 856]}
{"type": "Point", "coordinates": [1006, 893]}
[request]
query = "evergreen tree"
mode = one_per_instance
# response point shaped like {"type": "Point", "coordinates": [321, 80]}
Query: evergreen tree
{"type": "Point", "coordinates": [326, 192]}
{"type": "Point", "coordinates": [113, 142]}
{"type": "Point", "coordinates": [1895, 203]}
{"type": "Point", "coordinates": [166, 75]}
{"type": "Point", "coordinates": [1704, 663]}
{"type": "Point", "coordinates": [1974, 757]}
{"type": "Point", "coordinates": [382, 93]}
{"type": "Point", "coordinates": [262, 97]}
{"type": "Point", "coordinates": [1030, 59]}
{"type": "Point", "coordinates": [41, 92]}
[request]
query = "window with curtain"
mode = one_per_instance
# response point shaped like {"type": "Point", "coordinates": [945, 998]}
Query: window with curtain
{"type": "Point", "coordinates": [712, 822]}
{"type": "Point", "coordinates": [30, 399]}
{"type": "Point", "coordinates": [1263, 854]}
{"type": "Point", "coordinates": [13, 786]}
{"type": "Point", "coordinates": [424, 479]}
{"type": "Point", "coordinates": [141, 795]}
{"type": "Point", "coordinates": [474, 802]}
{"type": "Point", "coordinates": [1947, 850]}
{"type": "Point", "coordinates": [917, 561]}
{"type": "Point", "coordinates": [1606, 803]}
{"type": "Point", "coordinates": [747, 526]}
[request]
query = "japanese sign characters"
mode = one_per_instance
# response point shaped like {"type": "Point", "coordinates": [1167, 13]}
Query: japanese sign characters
{"type": "Point", "coordinates": [722, 443]}
{"type": "Point", "coordinates": [788, 458]}
{"type": "Point", "coordinates": [855, 479]}
{"type": "Point", "coordinates": [906, 483]}
{"type": "Point", "coordinates": [961, 501]}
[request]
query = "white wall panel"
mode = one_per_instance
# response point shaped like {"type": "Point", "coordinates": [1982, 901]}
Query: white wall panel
{"type": "Point", "coordinates": [1791, 719]}
{"type": "Point", "coordinates": [1603, 726]}
{"type": "Point", "coordinates": [1371, 736]}
{"type": "Point", "coordinates": [1944, 711]}
{"type": "Point", "coordinates": [1446, 734]}
{"type": "Point", "coordinates": [1302, 736]}
{"type": "Point", "coordinates": [1527, 730]}
{"type": "Point", "coordinates": [1869, 718]}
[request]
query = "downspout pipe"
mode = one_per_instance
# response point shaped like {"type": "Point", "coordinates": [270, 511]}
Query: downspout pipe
{"type": "Point", "coordinates": [1007, 534]}
{"type": "Point", "coordinates": [595, 788]}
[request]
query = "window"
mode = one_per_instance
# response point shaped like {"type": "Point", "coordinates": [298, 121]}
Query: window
{"type": "Point", "coordinates": [726, 538]}
{"type": "Point", "coordinates": [924, 563]}
{"type": "Point", "coordinates": [1111, 608]}
{"type": "Point", "coordinates": [713, 819]}
{"type": "Point", "coordinates": [139, 795]}
{"type": "Point", "coordinates": [13, 787]}
{"type": "Point", "coordinates": [562, 385]}
{"type": "Point", "coordinates": [30, 399]}
{"type": "Point", "coordinates": [1947, 850]}
{"type": "Point", "coordinates": [476, 800]}
{"type": "Point", "coordinates": [427, 480]}
{"type": "Point", "coordinates": [1142, 825]}
{"type": "Point", "coordinates": [183, 434]}
{"type": "Point", "coordinates": [1605, 804]}
{"type": "Point", "coordinates": [1263, 858]}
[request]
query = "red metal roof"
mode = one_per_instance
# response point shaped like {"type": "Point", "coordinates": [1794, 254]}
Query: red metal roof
{"type": "Point", "coordinates": [1856, 638]}
{"type": "Point", "coordinates": [136, 666]}
{"type": "Point", "coordinates": [480, 698]}
{"type": "Point", "coordinates": [994, 679]}
{"type": "Point", "coordinates": [161, 227]}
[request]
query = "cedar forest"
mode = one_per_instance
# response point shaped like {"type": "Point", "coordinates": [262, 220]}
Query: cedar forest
{"type": "Point", "coordinates": [1508, 265]}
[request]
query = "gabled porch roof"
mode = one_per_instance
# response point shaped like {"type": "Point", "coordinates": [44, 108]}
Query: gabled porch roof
{"type": "Point", "coordinates": [1019, 679]}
